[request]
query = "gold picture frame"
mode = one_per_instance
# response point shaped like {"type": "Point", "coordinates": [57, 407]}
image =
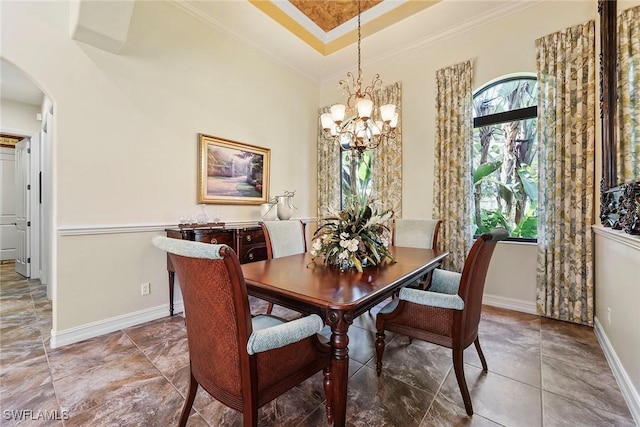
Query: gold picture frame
{"type": "Point", "coordinates": [230, 172]}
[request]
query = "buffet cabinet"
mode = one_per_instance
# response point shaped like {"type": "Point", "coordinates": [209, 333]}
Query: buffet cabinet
{"type": "Point", "coordinates": [248, 242]}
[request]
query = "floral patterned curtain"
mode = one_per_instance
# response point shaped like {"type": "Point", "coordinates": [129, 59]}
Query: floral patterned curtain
{"type": "Point", "coordinates": [628, 150]}
{"type": "Point", "coordinates": [452, 186]}
{"type": "Point", "coordinates": [328, 171]}
{"type": "Point", "coordinates": [566, 132]}
{"type": "Point", "coordinates": [387, 159]}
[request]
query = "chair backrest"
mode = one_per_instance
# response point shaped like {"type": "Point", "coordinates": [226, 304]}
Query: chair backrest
{"type": "Point", "coordinates": [284, 238]}
{"type": "Point", "coordinates": [473, 278]}
{"type": "Point", "coordinates": [216, 314]}
{"type": "Point", "coordinates": [416, 233]}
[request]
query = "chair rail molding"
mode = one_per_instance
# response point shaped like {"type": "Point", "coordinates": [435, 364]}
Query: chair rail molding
{"type": "Point", "coordinates": [617, 235]}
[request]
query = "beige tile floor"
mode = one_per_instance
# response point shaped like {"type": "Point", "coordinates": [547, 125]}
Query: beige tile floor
{"type": "Point", "coordinates": [541, 373]}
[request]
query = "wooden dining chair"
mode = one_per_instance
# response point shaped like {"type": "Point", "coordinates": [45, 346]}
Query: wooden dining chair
{"type": "Point", "coordinates": [283, 238]}
{"type": "Point", "coordinates": [241, 361]}
{"type": "Point", "coordinates": [446, 314]}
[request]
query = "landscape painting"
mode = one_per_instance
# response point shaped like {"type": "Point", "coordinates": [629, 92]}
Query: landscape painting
{"type": "Point", "coordinates": [231, 172]}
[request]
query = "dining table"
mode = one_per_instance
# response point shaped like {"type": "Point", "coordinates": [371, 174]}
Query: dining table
{"type": "Point", "coordinates": [304, 284]}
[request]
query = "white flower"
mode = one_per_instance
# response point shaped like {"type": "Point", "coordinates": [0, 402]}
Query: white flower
{"type": "Point", "coordinates": [316, 247]}
{"type": "Point", "coordinates": [343, 254]}
{"type": "Point", "coordinates": [384, 241]}
{"type": "Point", "coordinates": [352, 245]}
{"type": "Point", "coordinates": [344, 236]}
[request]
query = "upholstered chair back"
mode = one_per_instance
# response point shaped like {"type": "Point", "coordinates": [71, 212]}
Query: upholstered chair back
{"type": "Point", "coordinates": [284, 238]}
{"type": "Point", "coordinates": [416, 233]}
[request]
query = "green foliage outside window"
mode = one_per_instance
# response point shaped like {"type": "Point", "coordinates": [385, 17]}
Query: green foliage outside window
{"type": "Point", "coordinates": [505, 158]}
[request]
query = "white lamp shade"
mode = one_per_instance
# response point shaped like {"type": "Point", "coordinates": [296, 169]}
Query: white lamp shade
{"type": "Point", "coordinates": [387, 111]}
{"type": "Point", "coordinates": [337, 112]}
{"type": "Point", "coordinates": [394, 121]}
{"type": "Point", "coordinates": [327, 121]}
{"type": "Point", "coordinates": [365, 108]}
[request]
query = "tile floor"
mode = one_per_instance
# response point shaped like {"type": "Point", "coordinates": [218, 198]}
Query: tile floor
{"type": "Point", "coordinates": [541, 373]}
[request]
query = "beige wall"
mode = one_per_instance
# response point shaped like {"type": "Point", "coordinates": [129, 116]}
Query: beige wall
{"type": "Point", "coordinates": [125, 151]}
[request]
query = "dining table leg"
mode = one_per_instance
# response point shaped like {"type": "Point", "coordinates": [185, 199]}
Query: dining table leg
{"type": "Point", "coordinates": [339, 322]}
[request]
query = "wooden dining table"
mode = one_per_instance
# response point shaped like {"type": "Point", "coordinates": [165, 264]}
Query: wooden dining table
{"type": "Point", "coordinates": [302, 284]}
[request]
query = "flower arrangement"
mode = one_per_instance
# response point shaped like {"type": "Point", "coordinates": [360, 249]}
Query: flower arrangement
{"type": "Point", "coordinates": [355, 237]}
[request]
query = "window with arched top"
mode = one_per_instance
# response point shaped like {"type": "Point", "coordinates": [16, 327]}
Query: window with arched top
{"type": "Point", "coordinates": [505, 156]}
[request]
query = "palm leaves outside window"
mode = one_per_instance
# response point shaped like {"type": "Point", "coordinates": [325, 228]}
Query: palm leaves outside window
{"type": "Point", "coordinates": [505, 157]}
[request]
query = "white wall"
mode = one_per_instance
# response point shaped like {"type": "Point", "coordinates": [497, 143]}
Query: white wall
{"type": "Point", "coordinates": [125, 143]}
{"type": "Point", "coordinates": [617, 301]}
{"type": "Point", "coordinates": [19, 118]}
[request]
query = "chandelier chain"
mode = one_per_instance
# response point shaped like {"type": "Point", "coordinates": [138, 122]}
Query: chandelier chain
{"type": "Point", "coordinates": [360, 130]}
{"type": "Point", "coordinates": [359, 38]}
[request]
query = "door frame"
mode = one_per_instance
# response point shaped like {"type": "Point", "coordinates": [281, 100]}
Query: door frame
{"type": "Point", "coordinates": [34, 197]}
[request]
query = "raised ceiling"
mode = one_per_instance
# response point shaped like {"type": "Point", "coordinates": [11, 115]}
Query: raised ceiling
{"type": "Point", "coordinates": [330, 25]}
{"type": "Point", "coordinates": [329, 14]}
{"type": "Point", "coordinates": [283, 32]}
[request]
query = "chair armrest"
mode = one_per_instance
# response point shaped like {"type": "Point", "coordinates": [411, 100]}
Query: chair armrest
{"type": "Point", "coordinates": [284, 334]}
{"type": "Point", "coordinates": [445, 282]}
{"type": "Point", "coordinates": [433, 299]}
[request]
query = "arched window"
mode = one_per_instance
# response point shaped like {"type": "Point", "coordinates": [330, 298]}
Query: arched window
{"type": "Point", "coordinates": [505, 156]}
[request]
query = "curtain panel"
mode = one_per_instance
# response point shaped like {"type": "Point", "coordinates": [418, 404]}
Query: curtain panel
{"type": "Point", "coordinates": [628, 108]}
{"type": "Point", "coordinates": [328, 171]}
{"type": "Point", "coordinates": [566, 132]}
{"type": "Point", "coordinates": [387, 160]}
{"type": "Point", "coordinates": [453, 173]}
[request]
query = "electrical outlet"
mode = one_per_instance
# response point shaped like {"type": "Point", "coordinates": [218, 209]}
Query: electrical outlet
{"type": "Point", "coordinates": [608, 315]}
{"type": "Point", "coordinates": [145, 288]}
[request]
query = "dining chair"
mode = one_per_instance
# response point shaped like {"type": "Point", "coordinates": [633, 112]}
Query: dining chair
{"type": "Point", "coordinates": [241, 361]}
{"type": "Point", "coordinates": [283, 238]}
{"type": "Point", "coordinates": [416, 233]}
{"type": "Point", "coordinates": [447, 313]}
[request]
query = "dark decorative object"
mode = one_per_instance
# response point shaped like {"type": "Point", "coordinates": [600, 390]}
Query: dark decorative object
{"type": "Point", "coordinates": [608, 204]}
{"type": "Point", "coordinates": [620, 208]}
{"type": "Point", "coordinates": [629, 212]}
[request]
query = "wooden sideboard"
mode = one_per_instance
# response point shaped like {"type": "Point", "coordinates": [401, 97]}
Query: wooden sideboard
{"type": "Point", "coordinates": [247, 241]}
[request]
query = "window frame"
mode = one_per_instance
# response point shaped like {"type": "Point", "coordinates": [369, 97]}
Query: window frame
{"type": "Point", "coordinates": [519, 114]}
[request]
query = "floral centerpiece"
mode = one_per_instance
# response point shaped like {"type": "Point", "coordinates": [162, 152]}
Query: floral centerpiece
{"type": "Point", "coordinates": [355, 237]}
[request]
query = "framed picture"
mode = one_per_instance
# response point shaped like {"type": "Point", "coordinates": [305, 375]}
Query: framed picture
{"type": "Point", "coordinates": [231, 172]}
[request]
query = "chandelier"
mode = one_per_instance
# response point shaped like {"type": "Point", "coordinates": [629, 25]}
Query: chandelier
{"type": "Point", "coordinates": [352, 125]}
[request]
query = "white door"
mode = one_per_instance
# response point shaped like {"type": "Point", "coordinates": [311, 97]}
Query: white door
{"type": "Point", "coordinates": [23, 188]}
{"type": "Point", "coordinates": [7, 203]}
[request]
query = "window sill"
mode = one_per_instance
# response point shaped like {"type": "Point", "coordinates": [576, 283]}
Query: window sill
{"type": "Point", "coordinates": [617, 235]}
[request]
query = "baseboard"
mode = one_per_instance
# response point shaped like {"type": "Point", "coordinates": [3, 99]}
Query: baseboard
{"type": "Point", "coordinates": [630, 394]}
{"type": "Point", "coordinates": [91, 330]}
{"type": "Point", "coordinates": [510, 303]}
